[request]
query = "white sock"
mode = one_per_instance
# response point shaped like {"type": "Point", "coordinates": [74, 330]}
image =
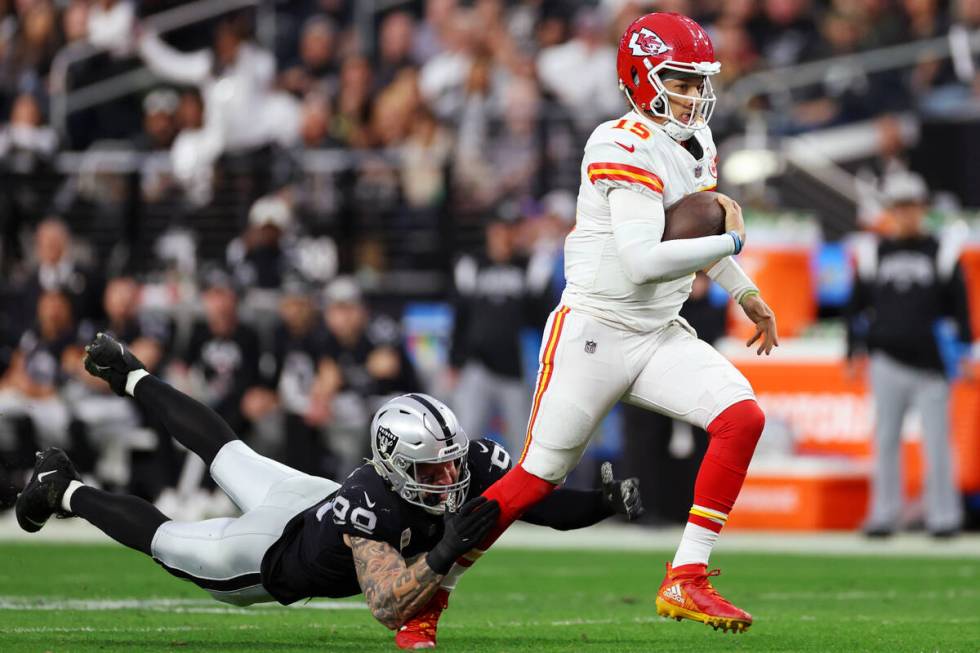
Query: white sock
{"type": "Point", "coordinates": [457, 570]}
{"type": "Point", "coordinates": [695, 546]}
{"type": "Point", "coordinates": [132, 379]}
{"type": "Point", "coordinates": [66, 497]}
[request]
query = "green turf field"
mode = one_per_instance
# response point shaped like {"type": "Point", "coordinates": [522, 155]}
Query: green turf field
{"type": "Point", "coordinates": [105, 598]}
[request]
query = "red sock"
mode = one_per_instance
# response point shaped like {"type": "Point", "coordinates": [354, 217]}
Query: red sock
{"type": "Point", "coordinates": [734, 434]}
{"type": "Point", "coordinates": [517, 491]}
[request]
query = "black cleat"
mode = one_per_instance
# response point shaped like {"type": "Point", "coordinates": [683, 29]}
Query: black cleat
{"type": "Point", "coordinates": [53, 471]}
{"type": "Point", "coordinates": [109, 359]}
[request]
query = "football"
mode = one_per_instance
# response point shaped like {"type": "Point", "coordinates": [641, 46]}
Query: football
{"type": "Point", "coordinates": [694, 216]}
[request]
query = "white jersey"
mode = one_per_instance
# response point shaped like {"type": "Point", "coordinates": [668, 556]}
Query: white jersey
{"type": "Point", "coordinates": [630, 152]}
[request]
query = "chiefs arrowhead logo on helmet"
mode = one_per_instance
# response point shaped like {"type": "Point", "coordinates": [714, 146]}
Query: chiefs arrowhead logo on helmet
{"type": "Point", "coordinates": [647, 42]}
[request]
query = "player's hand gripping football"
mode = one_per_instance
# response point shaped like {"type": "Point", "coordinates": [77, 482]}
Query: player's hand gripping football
{"type": "Point", "coordinates": [623, 497]}
{"type": "Point", "coordinates": [733, 216]}
{"type": "Point", "coordinates": [463, 531]}
{"type": "Point", "coordinates": [765, 324]}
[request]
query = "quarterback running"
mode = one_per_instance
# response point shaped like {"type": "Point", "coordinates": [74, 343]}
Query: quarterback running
{"type": "Point", "coordinates": [391, 530]}
{"type": "Point", "coordinates": [617, 334]}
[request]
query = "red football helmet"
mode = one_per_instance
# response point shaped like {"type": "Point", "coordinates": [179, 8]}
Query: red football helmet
{"type": "Point", "coordinates": [666, 42]}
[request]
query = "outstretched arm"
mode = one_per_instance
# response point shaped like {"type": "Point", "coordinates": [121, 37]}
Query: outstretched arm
{"type": "Point", "coordinates": [393, 589]}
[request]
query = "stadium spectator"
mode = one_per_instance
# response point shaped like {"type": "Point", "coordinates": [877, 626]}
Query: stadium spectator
{"type": "Point", "coordinates": [903, 285]}
{"type": "Point", "coordinates": [500, 161]}
{"type": "Point", "coordinates": [27, 57]}
{"type": "Point", "coordinates": [432, 33]}
{"type": "Point", "coordinates": [223, 353]}
{"type": "Point", "coordinates": [110, 23]}
{"type": "Point", "coordinates": [74, 21]}
{"type": "Point", "coordinates": [304, 389]}
{"type": "Point", "coordinates": [497, 295]}
{"type": "Point", "coordinates": [57, 267]}
{"type": "Point", "coordinates": [258, 258]}
{"type": "Point", "coordinates": [354, 102]}
{"type": "Point", "coordinates": [785, 31]}
{"type": "Point", "coordinates": [593, 96]}
{"type": "Point", "coordinates": [27, 147]}
{"type": "Point", "coordinates": [32, 411]}
{"type": "Point", "coordinates": [372, 363]}
{"type": "Point", "coordinates": [315, 65]}
{"type": "Point", "coordinates": [315, 129]}
{"type": "Point", "coordinates": [159, 125]}
{"type": "Point", "coordinates": [450, 77]}
{"type": "Point", "coordinates": [25, 137]}
{"type": "Point", "coordinates": [395, 40]}
{"type": "Point", "coordinates": [955, 92]}
{"type": "Point", "coordinates": [425, 158]}
{"type": "Point", "coordinates": [241, 111]}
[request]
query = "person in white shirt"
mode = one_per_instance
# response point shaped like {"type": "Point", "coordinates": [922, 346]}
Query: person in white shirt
{"type": "Point", "coordinates": [617, 334]}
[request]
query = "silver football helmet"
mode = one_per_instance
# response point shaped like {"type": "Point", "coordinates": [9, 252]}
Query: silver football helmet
{"type": "Point", "coordinates": [414, 429]}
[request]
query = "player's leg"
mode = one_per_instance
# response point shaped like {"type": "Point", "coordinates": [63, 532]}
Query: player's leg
{"type": "Point", "coordinates": [944, 514]}
{"type": "Point", "coordinates": [224, 556]}
{"type": "Point", "coordinates": [56, 489]}
{"type": "Point", "coordinates": [188, 421]}
{"type": "Point", "coordinates": [245, 476]}
{"type": "Point", "coordinates": [581, 375]}
{"type": "Point", "coordinates": [687, 379]}
{"type": "Point", "coordinates": [893, 387]}
{"type": "Point", "coordinates": [576, 387]}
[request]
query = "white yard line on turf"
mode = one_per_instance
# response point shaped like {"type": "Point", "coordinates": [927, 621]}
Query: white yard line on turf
{"type": "Point", "coordinates": [623, 537]}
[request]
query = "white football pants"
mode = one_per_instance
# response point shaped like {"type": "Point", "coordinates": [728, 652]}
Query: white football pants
{"type": "Point", "coordinates": [587, 366]}
{"type": "Point", "coordinates": [224, 555]}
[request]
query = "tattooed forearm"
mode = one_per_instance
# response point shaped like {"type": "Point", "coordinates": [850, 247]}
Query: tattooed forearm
{"type": "Point", "coordinates": [393, 591]}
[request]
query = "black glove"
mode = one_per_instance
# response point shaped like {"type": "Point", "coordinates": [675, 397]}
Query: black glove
{"type": "Point", "coordinates": [621, 497]}
{"type": "Point", "coordinates": [463, 531]}
{"type": "Point", "coordinates": [107, 358]}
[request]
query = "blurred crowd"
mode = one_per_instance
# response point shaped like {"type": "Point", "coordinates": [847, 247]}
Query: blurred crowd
{"type": "Point", "coordinates": [244, 221]}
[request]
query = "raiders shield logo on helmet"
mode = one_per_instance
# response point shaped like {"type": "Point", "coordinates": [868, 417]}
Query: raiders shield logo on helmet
{"type": "Point", "coordinates": [646, 42]}
{"type": "Point", "coordinates": [386, 440]}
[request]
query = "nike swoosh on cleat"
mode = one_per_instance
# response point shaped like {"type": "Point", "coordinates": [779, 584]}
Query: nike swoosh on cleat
{"type": "Point", "coordinates": [36, 523]}
{"type": "Point", "coordinates": [630, 149]}
{"type": "Point", "coordinates": [40, 477]}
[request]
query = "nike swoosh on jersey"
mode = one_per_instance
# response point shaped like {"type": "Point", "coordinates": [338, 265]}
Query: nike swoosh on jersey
{"type": "Point", "coordinates": [40, 477]}
{"type": "Point", "coordinates": [630, 149]}
{"type": "Point", "coordinates": [367, 500]}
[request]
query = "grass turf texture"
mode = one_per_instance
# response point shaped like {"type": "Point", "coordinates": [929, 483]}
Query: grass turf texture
{"type": "Point", "coordinates": [56, 597]}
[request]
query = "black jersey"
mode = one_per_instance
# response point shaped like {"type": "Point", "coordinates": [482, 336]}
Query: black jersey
{"type": "Point", "coordinates": [310, 559]}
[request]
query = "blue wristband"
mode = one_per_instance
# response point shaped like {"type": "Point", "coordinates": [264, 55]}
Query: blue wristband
{"type": "Point", "coordinates": [738, 242]}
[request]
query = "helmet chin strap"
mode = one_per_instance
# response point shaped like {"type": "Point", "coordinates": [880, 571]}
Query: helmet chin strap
{"type": "Point", "coordinates": [677, 132]}
{"type": "Point", "coordinates": [672, 129]}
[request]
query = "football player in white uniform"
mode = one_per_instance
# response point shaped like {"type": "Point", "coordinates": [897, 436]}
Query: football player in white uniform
{"type": "Point", "coordinates": [617, 334]}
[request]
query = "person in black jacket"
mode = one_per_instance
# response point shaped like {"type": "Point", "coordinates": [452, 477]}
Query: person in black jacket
{"type": "Point", "coordinates": [497, 294]}
{"type": "Point", "coordinates": [902, 289]}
